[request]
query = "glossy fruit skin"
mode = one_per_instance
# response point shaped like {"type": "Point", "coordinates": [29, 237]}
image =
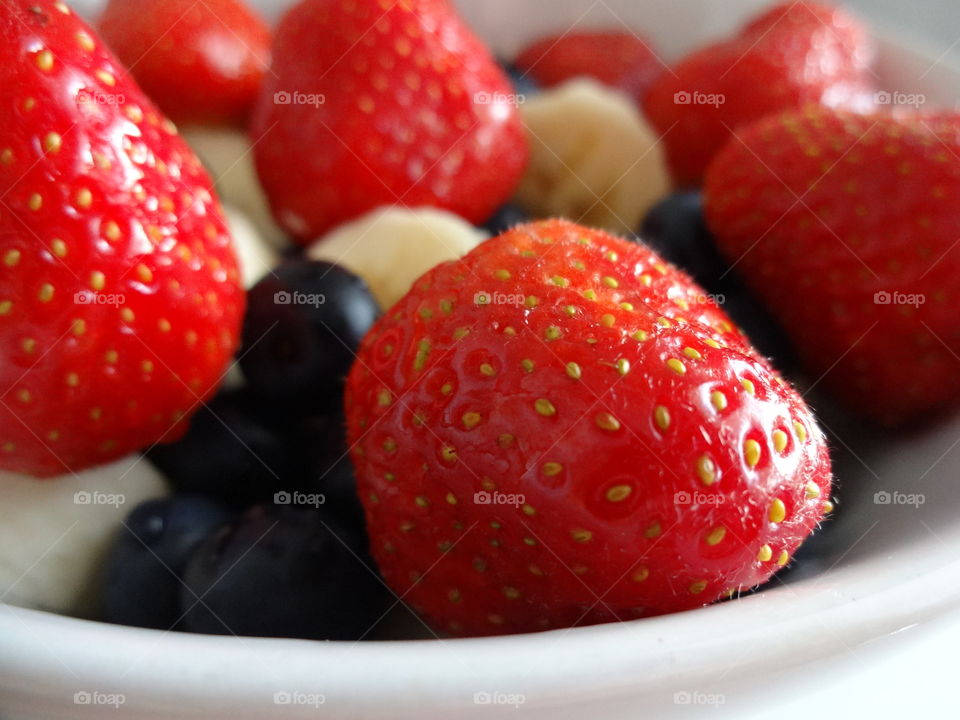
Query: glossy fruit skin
{"type": "Point", "coordinates": [120, 293]}
{"type": "Point", "coordinates": [201, 62]}
{"type": "Point", "coordinates": [417, 115]}
{"type": "Point", "coordinates": [676, 229]}
{"type": "Point", "coordinates": [283, 572]}
{"type": "Point", "coordinates": [144, 568]}
{"type": "Point", "coordinates": [792, 55]}
{"type": "Point", "coordinates": [304, 323]}
{"type": "Point", "coordinates": [622, 60]}
{"type": "Point", "coordinates": [877, 218]}
{"type": "Point", "coordinates": [443, 407]}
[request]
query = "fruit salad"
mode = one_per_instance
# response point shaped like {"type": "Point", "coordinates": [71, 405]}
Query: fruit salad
{"type": "Point", "coordinates": [298, 336]}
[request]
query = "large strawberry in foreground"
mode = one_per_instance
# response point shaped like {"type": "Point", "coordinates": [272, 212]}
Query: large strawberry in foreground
{"type": "Point", "coordinates": [794, 54]}
{"type": "Point", "coordinates": [559, 429]}
{"type": "Point", "coordinates": [385, 102]}
{"type": "Point", "coordinates": [847, 226]}
{"type": "Point", "coordinates": [119, 293]}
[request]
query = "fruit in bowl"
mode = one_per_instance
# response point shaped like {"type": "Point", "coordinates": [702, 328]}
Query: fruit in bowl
{"type": "Point", "coordinates": [477, 408]}
{"type": "Point", "coordinates": [120, 301]}
{"type": "Point", "coordinates": [449, 381]}
{"type": "Point", "coordinates": [417, 113]}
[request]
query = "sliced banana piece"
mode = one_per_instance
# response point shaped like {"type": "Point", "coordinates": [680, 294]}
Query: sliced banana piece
{"type": "Point", "coordinates": [594, 158]}
{"type": "Point", "coordinates": [228, 156]}
{"type": "Point", "coordinates": [54, 533]}
{"type": "Point", "coordinates": [391, 247]}
{"type": "Point", "coordinates": [256, 257]}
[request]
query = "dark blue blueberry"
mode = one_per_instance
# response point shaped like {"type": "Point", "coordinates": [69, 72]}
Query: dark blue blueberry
{"type": "Point", "coordinates": [523, 83]}
{"type": "Point", "coordinates": [283, 572]}
{"type": "Point", "coordinates": [508, 216]}
{"type": "Point", "coordinates": [677, 230]}
{"type": "Point", "coordinates": [331, 471]}
{"type": "Point", "coordinates": [237, 452]}
{"type": "Point", "coordinates": [145, 563]}
{"type": "Point", "coordinates": [303, 325]}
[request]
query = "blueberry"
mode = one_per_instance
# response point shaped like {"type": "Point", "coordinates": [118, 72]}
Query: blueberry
{"type": "Point", "coordinates": [303, 325]}
{"type": "Point", "coordinates": [283, 572]}
{"type": "Point", "coordinates": [677, 230]}
{"type": "Point", "coordinates": [331, 472]}
{"type": "Point", "coordinates": [506, 217]}
{"type": "Point", "coordinates": [236, 452]}
{"type": "Point", "coordinates": [523, 82]}
{"type": "Point", "coordinates": [141, 585]}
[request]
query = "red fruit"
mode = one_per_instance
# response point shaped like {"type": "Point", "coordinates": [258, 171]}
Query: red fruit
{"type": "Point", "coordinates": [793, 55]}
{"type": "Point", "coordinates": [594, 442]}
{"type": "Point", "coordinates": [375, 103]}
{"type": "Point", "coordinates": [619, 59]}
{"type": "Point", "coordinates": [829, 215]}
{"type": "Point", "coordinates": [120, 301]}
{"type": "Point", "coordinates": [200, 61]}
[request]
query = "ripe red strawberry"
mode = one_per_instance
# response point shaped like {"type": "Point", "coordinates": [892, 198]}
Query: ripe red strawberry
{"type": "Point", "coordinates": [383, 102]}
{"type": "Point", "coordinates": [847, 226]}
{"type": "Point", "coordinates": [120, 300]}
{"type": "Point", "coordinates": [792, 55]}
{"type": "Point", "coordinates": [201, 62]}
{"type": "Point", "coordinates": [559, 429]}
{"type": "Point", "coordinates": [620, 59]}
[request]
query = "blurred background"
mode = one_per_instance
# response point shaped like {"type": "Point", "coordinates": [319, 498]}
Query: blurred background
{"type": "Point", "coordinates": [935, 21]}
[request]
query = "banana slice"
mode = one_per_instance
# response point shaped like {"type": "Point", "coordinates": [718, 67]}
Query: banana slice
{"type": "Point", "coordinates": [256, 257]}
{"type": "Point", "coordinates": [228, 156]}
{"type": "Point", "coordinates": [54, 533]}
{"type": "Point", "coordinates": [594, 158]}
{"type": "Point", "coordinates": [391, 247]}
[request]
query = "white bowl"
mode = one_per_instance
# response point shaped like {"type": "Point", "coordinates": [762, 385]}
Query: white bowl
{"type": "Point", "coordinates": [874, 571]}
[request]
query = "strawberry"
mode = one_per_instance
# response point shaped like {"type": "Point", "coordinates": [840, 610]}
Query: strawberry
{"type": "Point", "coordinates": [559, 429]}
{"type": "Point", "coordinates": [396, 104]}
{"type": "Point", "coordinates": [847, 226]}
{"type": "Point", "coordinates": [622, 60]}
{"type": "Point", "coordinates": [120, 300]}
{"type": "Point", "coordinates": [201, 62]}
{"type": "Point", "coordinates": [792, 55]}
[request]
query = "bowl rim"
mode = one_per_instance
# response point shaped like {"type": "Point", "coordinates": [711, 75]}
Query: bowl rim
{"type": "Point", "coordinates": [857, 605]}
